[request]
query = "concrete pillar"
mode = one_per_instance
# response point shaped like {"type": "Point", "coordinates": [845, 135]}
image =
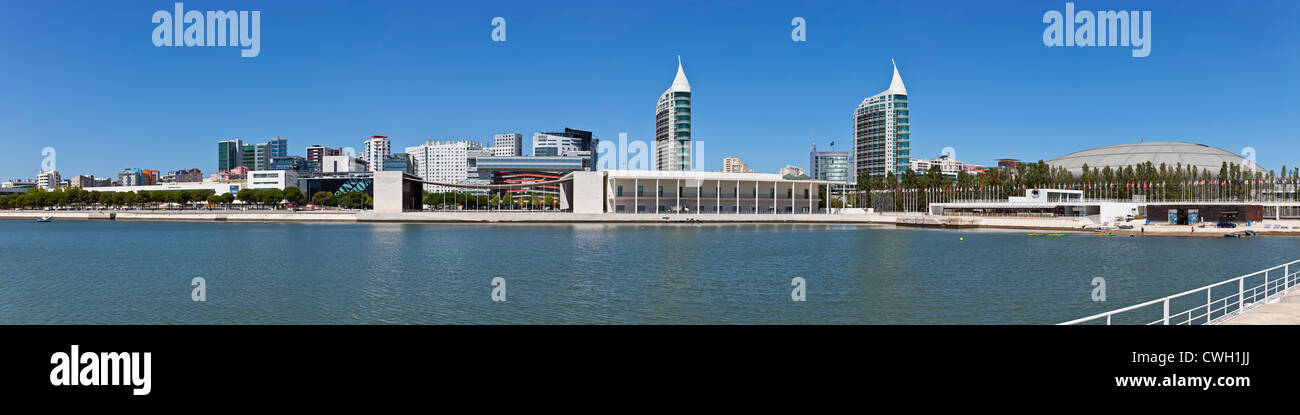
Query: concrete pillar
{"type": "Point", "coordinates": [389, 191]}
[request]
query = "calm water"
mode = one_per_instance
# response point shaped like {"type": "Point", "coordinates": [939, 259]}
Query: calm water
{"type": "Point", "coordinates": [95, 272]}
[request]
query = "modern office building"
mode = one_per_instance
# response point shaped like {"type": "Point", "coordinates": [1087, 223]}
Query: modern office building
{"type": "Point", "coordinates": [272, 179]}
{"type": "Point", "coordinates": [673, 125]}
{"type": "Point", "coordinates": [256, 156]}
{"type": "Point", "coordinates": [831, 165]}
{"type": "Point", "coordinates": [374, 150]}
{"type": "Point", "coordinates": [443, 162]}
{"type": "Point", "coordinates": [881, 135]}
{"type": "Point", "coordinates": [508, 145]}
{"type": "Point", "coordinates": [229, 154]}
{"type": "Point", "coordinates": [734, 165]}
{"type": "Point", "coordinates": [316, 154]}
{"type": "Point", "coordinates": [296, 164]}
{"type": "Point", "coordinates": [399, 162]}
{"type": "Point", "coordinates": [48, 179]}
{"type": "Point", "coordinates": [278, 147]}
{"type": "Point", "coordinates": [343, 164]}
{"type": "Point", "coordinates": [568, 143]}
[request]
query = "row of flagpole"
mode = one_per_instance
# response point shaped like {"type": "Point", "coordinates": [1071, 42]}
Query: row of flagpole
{"type": "Point", "coordinates": [918, 199]}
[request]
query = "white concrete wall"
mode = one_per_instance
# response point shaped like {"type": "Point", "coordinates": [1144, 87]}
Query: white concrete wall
{"type": "Point", "coordinates": [588, 192]}
{"type": "Point", "coordinates": [388, 191]}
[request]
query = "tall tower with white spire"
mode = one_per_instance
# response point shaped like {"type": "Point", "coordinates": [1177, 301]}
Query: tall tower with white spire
{"type": "Point", "coordinates": [673, 125]}
{"type": "Point", "coordinates": [881, 137]}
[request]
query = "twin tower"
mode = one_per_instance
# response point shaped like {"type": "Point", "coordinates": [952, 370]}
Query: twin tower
{"type": "Point", "coordinates": [881, 136]}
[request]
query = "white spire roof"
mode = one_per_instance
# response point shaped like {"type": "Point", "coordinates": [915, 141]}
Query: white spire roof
{"type": "Point", "coordinates": [679, 83]}
{"type": "Point", "coordinates": [896, 85]}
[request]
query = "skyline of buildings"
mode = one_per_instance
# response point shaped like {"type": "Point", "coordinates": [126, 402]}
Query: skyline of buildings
{"type": "Point", "coordinates": [881, 145]}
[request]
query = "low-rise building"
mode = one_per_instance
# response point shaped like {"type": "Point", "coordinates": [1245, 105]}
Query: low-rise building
{"type": "Point", "coordinates": [342, 164]}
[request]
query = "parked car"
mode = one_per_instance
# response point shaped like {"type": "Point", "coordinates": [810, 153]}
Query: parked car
{"type": "Point", "coordinates": [1226, 224]}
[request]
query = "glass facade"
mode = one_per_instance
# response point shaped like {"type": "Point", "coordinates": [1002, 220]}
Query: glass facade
{"type": "Point", "coordinates": [881, 136]}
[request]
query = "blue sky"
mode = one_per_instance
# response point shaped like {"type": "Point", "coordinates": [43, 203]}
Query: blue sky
{"type": "Point", "coordinates": [85, 79]}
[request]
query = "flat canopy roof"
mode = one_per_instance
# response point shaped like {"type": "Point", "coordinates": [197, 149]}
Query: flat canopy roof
{"type": "Point", "coordinates": [707, 175]}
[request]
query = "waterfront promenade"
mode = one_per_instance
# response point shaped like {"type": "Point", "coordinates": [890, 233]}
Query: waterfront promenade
{"type": "Point", "coordinates": [1063, 224]}
{"type": "Point", "coordinates": [1286, 311]}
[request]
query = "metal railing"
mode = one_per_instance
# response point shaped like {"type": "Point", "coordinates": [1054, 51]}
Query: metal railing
{"type": "Point", "coordinates": [1273, 283]}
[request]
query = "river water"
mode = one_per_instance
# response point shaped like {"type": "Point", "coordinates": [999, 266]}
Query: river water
{"type": "Point", "coordinates": [104, 272]}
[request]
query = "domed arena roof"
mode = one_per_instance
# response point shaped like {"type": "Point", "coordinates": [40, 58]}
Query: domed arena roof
{"type": "Point", "coordinates": [1170, 153]}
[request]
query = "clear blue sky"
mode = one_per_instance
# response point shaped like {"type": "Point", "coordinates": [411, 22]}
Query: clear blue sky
{"type": "Point", "coordinates": [84, 77]}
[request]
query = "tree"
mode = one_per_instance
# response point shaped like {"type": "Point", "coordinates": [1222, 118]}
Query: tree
{"type": "Point", "coordinates": [293, 195]}
{"type": "Point", "coordinates": [271, 197]}
{"type": "Point", "coordinates": [321, 198]}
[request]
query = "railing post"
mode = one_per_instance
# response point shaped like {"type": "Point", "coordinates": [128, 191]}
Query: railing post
{"type": "Point", "coordinates": [1209, 305]}
{"type": "Point", "coordinates": [1241, 292]}
{"type": "Point", "coordinates": [1166, 311]}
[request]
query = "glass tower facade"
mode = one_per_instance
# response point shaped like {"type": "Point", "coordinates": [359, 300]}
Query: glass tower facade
{"type": "Point", "coordinates": [229, 154]}
{"type": "Point", "coordinates": [673, 125]}
{"type": "Point", "coordinates": [881, 136]}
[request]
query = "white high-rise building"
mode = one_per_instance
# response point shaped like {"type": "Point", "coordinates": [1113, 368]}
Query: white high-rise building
{"type": "Point", "coordinates": [673, 125]}
{"type": "Point", "coordinates": [881, 135]}
{"type": "Point", "coordinates": [508, 145]}
{"type": "Point", "coordinates": [48, 179]}
{"type": "Point", "coordinates": [375, 150]}
{"type": "Point", "coordinates": [444, 162]}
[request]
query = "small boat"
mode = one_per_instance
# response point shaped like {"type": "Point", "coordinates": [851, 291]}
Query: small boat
{"type": "Point", "coordinates": [1231, 235]}
{"type": "Point", "coordinates": [45, 219]}
{"type": "Point", "coordinates": [1103, 234]}
{"type": "Point", "coordinates": [1251, 233]}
